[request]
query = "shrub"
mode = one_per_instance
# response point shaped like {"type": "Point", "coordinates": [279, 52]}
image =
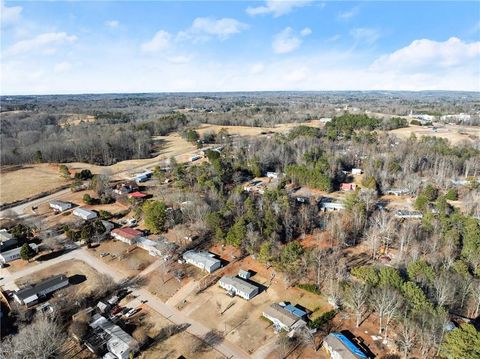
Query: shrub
{"type": "Point", "coordinates": [322, 320]}
{"type": "Point", "coordinates": [312, 288]}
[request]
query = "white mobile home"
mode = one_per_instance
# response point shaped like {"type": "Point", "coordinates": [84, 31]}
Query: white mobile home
{"type": "Point", "coordinates": [85, 214]}
{"type": "Point", "coordinates": [238, 287]}
{"type": "Point", "coordinates": [14, 254]}
{"type": "Point", "coordinates": [60, 206]}
{"type": "Point", "coordinates": [31, 294]}
{"type": "Point", "coordinates": [203, 260]}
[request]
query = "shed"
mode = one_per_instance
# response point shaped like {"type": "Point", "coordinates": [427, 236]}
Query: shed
{"type": "Point", "coordinates": [244, 274]}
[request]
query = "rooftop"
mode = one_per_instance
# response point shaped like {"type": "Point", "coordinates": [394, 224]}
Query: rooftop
{"type": "Point", "coordinates": [347, 349]}
{"type": "Point", "coordinates": [127, 232]}
{"type": "Point", "coordinates": [277, 311]}
{"type": "Point", "coordinates": [39, 287]}
{"type": "Point", "coordinates": [240, 284]}
{"type": "Point", "coordinates": [295, 311]}
{"type": "Point", "coordinates": [204, 258]}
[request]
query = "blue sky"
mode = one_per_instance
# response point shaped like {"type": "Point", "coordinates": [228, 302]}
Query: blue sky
{"type": "Point", "coordinates": [136, 46]}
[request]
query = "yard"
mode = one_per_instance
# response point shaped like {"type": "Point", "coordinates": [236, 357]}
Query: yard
{"type": "Point", "coordinates": [182, 343]}
{"type": "Point", "coordinates": [129, 260]}
{"type": "Point", "coordinates": [84, 278]}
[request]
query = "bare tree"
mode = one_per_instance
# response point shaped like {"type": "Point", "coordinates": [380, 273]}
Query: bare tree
{"type": "Point", "coordinates": [407, 337]}
{"type": "Point", "coordinates": [43, 339]}
{"type": "Point", "coordinates": [444, 289]}
{"type": "Point", "coordinates": [386, 301]}
{"type": "Point", "coordinates": [356, 297]}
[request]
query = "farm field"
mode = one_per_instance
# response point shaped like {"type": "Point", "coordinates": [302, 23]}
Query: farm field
{"type": "Point", "coordinates": [454, 133]}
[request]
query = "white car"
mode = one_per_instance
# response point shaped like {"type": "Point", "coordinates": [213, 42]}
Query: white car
{"type": "Point", "coordinates": [132, 312]}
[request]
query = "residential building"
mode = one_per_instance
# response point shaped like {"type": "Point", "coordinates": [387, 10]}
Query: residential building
{"type": "Point", "coordinates": [5, 236]}
{"type": "Point", "coordinates": [126, 234]}
{"type": "Point", "coordinates": [84, 213]}
{"type": "Point", "coordinates": [340, 347]}
{"type": "Point", "coordinates": [401, 213]}
{"type": "Point", "coordinates": [325, 120]}
{"type": "Point", "coordinates": [108, 226]}
{"type": "Point", "coordinates": [137, 195]}
{"type": "Point", "coordinates": [119, 343]}
{"type": "Point", "coordinates": [331, 206]}
{"type": "Point", "coordinates": [282, 319]}
{"type": "Point", "coordinates": [60, 206]}
{"type": "Point", "coordinates": [356, 171]}
{"type": "Point", "coordinates": [238, 286]}
{"type": "Point", "coordinates": [30, 295]}
{"type": "Point", "coordinates": [203, 260]}
{"type": "Point", "coordinates": [8, 244]}
{"type": "Point", "coordinates": [397, 191]}
{"type": "Point", "coordinates": [299, 313]}
{"type": "Point", "coordinates": [159, 248]}
{"type": "Point", "coordinates": [126, 187]}
{"type": "Point", "coordinates": [14, 254]}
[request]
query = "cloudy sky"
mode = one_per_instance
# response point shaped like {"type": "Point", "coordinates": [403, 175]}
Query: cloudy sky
{"type": "Point", "coordinates": [100, 46]}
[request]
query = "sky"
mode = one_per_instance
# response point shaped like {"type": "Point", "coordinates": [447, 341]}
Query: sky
{"type": "Point", "coordinates": [63, 47]}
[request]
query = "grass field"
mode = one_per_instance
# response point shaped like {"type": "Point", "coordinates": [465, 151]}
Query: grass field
{"type": "Point", "coordinates": [454, 133]}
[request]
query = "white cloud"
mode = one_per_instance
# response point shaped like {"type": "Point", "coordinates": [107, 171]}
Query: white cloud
{"type": "Point", "coordinates": [285, 41]}
{"type": "Point", "coordinates": [365, 35]}
{"type": "Point", "coordinates": [347, 15]}
{"type": "Point", "coordinates": [9, 14]}
{"type": "Point", "coordinates": [46, 42]}
{"type": "Point", "coordinates": [277, 7]}
{"type": "Point", "coordinates": [203, 28]}
{"type": "Point", "coordinates": [306, 31]}
{"type": "Point", "coordinates": [62, 67]}
{"type": "Point", "coordinates": [256, 68]}
{"type": "Point", "coordinates": [427, 55]}
{"type": "Point", "coordinates": [160, 41]}
{"type": "Point", "coordinates": [112, 23]}
{"type": "Point", "coordinates": [297, 75]}
{"type": "Point", "coordinates": [179, 59]}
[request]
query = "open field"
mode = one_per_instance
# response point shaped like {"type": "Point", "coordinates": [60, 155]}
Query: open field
{"type": "Point", "coordinates": [19, 182]}
{"type": "Point", "coordinates": [454, 133]}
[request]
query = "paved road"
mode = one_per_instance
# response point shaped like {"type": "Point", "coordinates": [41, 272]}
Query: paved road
{"type": "Point", "coordinates": [227, 348]}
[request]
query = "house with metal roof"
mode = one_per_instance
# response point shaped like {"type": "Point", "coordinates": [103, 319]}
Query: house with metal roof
{"type": "Point", "coordinates": [5, 236]}
{"type": "Point", "coordinates": [203, 260]}
{"type": "Point", "coordinates": [340, 347]}
{"type": "Point", "coordinates": [159, 248]}
{"type": "Point", "coordinates": [84, 213]}
{"type": "Point", "coordinates": [406, 214]}
{"type": "Point", "coordinates": [31, 294]}
{"type": "Point", "coordinates": [282, 319]}
{"type": "Point", "coordinates": [301, 314]}
{"type": "Point", "coordinates": [238, 286]}
{"type": "Point", "coordinates": [331, 206]}
{"type": "Point", "coordinates": [119, 343]}
{"type": "Point", "coordinates": [14, 254]}
{"type": "Point", "coordinates": [60, 206]}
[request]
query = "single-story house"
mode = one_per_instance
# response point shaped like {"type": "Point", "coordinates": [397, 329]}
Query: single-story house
{"type": "Point", "coordinates": [143, 177]}
{"type": "Point", "coordinates": [408, 214]}
{"type": "Point", "coordinates": [331, 206]}
{"type": "Point", "coordinates": [282, 319]}
{"type": "Point", "coordinates": [126, 234]}
{"type": "Point", "coordinates": [397, 191]}
{"type": "Point", "coordinates": [239, 287]}
{"type": "Point", "coordinates": [84, 213]}
{"type": "Point", "coordinates": [14, 254]}
{"type": "Point", "coordinates": [119, 343]}
{"type": "Point", "coordinates": [126, 187]}
{"type": "Point", "coordinates": [348, 186]}
{"type": "Point", "coordinates": [8, 244]}
{"type": "Point", "coordinates": [340, 347]}
{"type": "Point", "coordinates": [356, 171]}
{"type": "Point", "coordinates": [31, 294]}
{"type": "Point", "coordinates": [60, 206]}
{"type": "Point", "coordinates": [299, 313]}
{"type": "Point", "coordinates": [203, 260]}
{"type": "Point", "coordinates": [5, 236]}
{"type": "Point", "coordinates": [158, 248]}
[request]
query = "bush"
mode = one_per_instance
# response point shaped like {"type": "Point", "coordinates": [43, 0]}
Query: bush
{"type": "Point", "coordinates": [105, 214]}
{"type": "Point", "coordinates": [452, 194]}
{"type": "Point", "coordinates": [87, 199]}
{"type": "Point", "coordinates": [312, 288]}
{"type": "Point", "coordinates": [322, 320]}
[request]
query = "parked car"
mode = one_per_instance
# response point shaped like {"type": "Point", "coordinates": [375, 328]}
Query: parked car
{"type": "Point", "coordinates": [132, 312]}
{"type": "Point", "coordinates": [117, 309]}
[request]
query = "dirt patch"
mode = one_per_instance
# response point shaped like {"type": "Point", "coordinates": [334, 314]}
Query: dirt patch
{"type": "Point", "coordinates": [129, 260]}
{"type": "Point", "coordinates": [182, 343]}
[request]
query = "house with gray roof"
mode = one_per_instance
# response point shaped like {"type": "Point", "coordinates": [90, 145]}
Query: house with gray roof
{"type": "Point", "coordinates": [238, 286]}
{"type": "Point", "coordinates": [31, 294]}
{"type": "Point", "coordinates": [203, 260]}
